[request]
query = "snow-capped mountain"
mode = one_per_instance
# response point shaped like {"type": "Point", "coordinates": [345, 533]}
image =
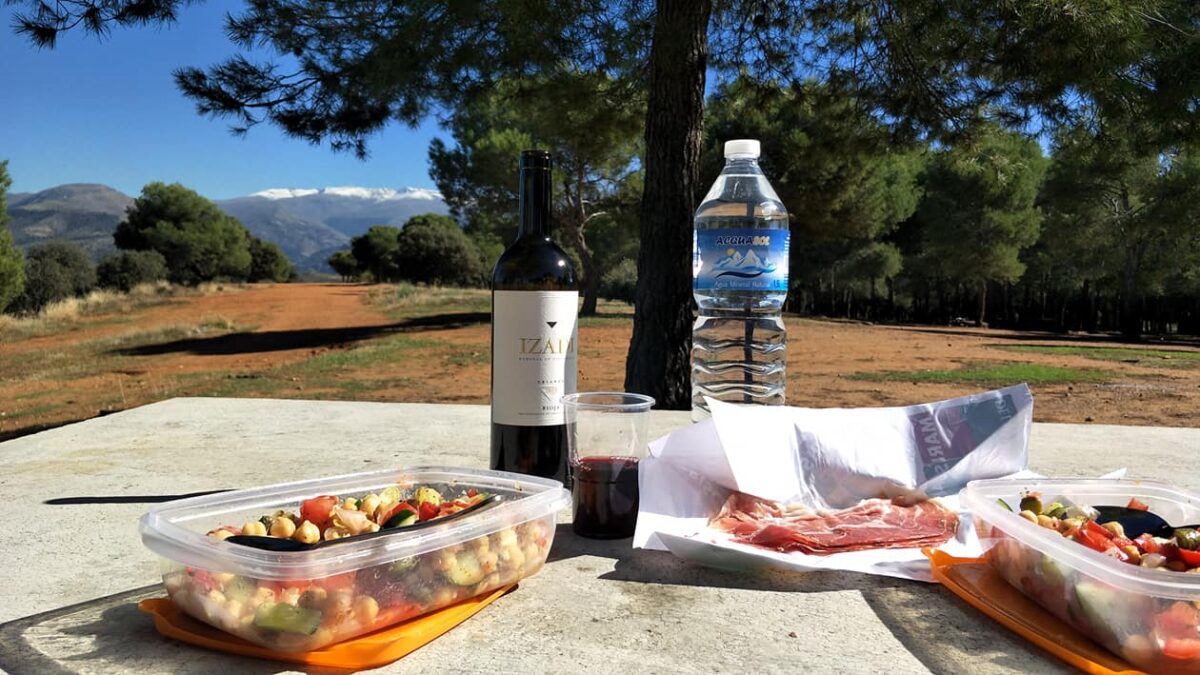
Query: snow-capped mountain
{"type": "Point", "coordinates": [375, 194]}
{"type": "Point", "coordinates": [311, 223]}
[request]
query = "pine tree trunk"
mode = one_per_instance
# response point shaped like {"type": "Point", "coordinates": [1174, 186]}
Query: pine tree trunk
{"type": "Point", "coordinates": [659, 362]}
{"type": "Point", "coordinates": [1089, 307]}
{"type": "Point", "coordinates": [982, 304]}
{"type": "Point", "coordinates": [1131, 310]}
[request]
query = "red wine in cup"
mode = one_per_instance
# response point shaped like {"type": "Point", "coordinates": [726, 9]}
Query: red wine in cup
{"type": "Point", "coordinates": [606, 496]}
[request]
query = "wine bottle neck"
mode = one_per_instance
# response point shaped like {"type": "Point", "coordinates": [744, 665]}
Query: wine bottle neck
{"type": "Point", "coordinates": [535, 202]}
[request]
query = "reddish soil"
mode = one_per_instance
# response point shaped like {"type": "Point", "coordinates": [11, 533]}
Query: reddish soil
{"type": "Point", "coordinates": [279, 327]}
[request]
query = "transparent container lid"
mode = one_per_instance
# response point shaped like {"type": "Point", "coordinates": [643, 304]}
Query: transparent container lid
{"type": "Point", "coordinates": [177, 530]}
{"type": "Point", "coordinates": [1177, 506]}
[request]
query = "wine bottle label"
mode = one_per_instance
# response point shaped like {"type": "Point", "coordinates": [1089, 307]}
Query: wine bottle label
{"type": "Point", "coordinates": [534, 353]}
{"type": "Point", "coordinates": [740, 259]}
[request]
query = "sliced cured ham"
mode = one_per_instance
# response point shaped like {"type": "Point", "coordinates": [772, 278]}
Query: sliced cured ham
{"type": "Point", "coordinates": [872, 523]}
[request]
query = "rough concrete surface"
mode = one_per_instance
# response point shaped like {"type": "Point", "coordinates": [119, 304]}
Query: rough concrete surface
{"type": "Point", "coordinates": [71, 574]}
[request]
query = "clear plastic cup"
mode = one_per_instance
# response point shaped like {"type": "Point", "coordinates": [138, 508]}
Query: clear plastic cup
{"type": "Point", "coordinates": [606, 437]}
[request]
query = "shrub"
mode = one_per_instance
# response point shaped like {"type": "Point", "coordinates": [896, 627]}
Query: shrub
{"type": "Point", "coordinates": [433, 249]}
{"type": "Point", "coordinates": [268, 262]}
{"type": "Point", "coordinates": [345, 264]}
{"type": "Point", "coordinates": [127, 269]}
{"type": "Point", "coordinates": [12, 270]}
{"type": "Point", "coordinates": [53, 272]}
{"type": "Point", "coordinates": [620, 282]}
{"type": "Point", "coordinates": [12, 263]}
{"type": "Point", "coordinates": [374, 251]}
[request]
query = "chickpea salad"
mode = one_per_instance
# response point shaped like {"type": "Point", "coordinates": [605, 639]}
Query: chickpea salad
{"type": "Point", "coordinates": [308, 614]}
{"type": "Point", "coordinates": [1157, 633]}
{"type": "Point", "coordinates": [1178, 553]}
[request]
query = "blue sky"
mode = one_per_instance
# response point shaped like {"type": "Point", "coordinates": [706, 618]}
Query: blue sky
{"type": "Point", "coordinates": [92, 111]}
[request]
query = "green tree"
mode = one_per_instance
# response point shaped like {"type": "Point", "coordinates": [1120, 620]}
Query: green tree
{"type": "Point", "coordinates": [1132, 213]}
{"type": "Point", "coordinates": [268, 262]}
{"type": "Point", "coordinates": [198, 240]}
{"type": "Point", "coordinates": [55, 271]}
{"type": "Point", "coordinates": [979, 207]}
{"type": "Point", "coordinates": [345, 264]}
{"type": "Point", "coordinates": [342, 70]}
{"type": "Point", "coordinates": [594, 149]}
{"type": "Point", "coordinates": [620, 282]}
{"type": "Point", "coordinates": [432, 249]}
{"type": "Point", "coordinates": [126, 269]}
{"type": "Point", "coordinates": [12, 263]}
{"type": "Point", "coordinates": [374, 252]}
{"type": "Point", "coordinates": [871, 265]}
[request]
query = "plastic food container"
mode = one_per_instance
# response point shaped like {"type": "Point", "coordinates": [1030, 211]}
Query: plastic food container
{"type": "Point", "coordinates": [1148, 616]}
{"type": "Point", "coordinates": [338, 592]}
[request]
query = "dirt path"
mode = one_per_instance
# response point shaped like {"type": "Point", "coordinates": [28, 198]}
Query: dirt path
{"type": "Point", "coordinates": [827, 362]}
{"type": "Point", "coordinates": [87, 370]}
{"type": "Point", "coordinates": [328, 341]}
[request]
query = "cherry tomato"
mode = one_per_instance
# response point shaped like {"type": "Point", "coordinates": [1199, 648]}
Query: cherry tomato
{"type": "Point", "coordinates": [1148, 544]}
{"type": "Point", "coordinates": [1094, 527]}
{"type": "Point", "coordinates": [1190, 558]}
{"type": "Point", "coordinates": [203, 580]}
{"type": "Point", "coordinates": [1178, 621]}
{"type": "Point", "coordinates": [1184, 649]}
{"type": "Point", "coordinates": [472, 492]}
{"type": "Point", "coordinates": [1087, 537]}
{"type": "Point", "coordinates": [317, 510]}
{"type": "Point", "coordinates": [1138, 505]}
{"type": "Point", "coordinates": [427, 511]}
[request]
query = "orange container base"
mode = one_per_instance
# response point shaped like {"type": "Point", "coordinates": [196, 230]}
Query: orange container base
{"type": "Point", "coordinates": [973, 580]}
{"type": "Point", "coordinates": [368, 651]}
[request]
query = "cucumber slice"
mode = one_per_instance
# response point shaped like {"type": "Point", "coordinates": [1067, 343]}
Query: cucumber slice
{"type": "Point", "coordinates": [240, 588]}
{"type": "Point", "coordinates": [401, 519]}
{"type": "Point", "coordinates": [287, 618]}
{"type": "Point", "coordinates": [1004, 505]}
{"type": "Point", "coordinates": [465, 570]}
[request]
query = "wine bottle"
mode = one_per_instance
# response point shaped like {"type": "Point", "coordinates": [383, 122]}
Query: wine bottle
{"type": "Point", "coordinates": [535, 301]}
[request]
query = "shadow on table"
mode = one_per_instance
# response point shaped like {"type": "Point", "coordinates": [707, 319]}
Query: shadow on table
{"type": "Point", "coordinates": [127, 499]}
{"type": "Point", "coordinates": [933, 625]}
{"type": "Point", "coordinates": [111, 634]}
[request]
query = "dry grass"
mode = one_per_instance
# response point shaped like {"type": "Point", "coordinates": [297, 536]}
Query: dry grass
{"type": "Point", "coordinates": [403, 300]}
{"type": "Point", "coordinates": [61, 315]}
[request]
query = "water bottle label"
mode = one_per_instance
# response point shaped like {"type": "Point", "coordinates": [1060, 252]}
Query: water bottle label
{"type": "Point", "coordinates": [741, 259]}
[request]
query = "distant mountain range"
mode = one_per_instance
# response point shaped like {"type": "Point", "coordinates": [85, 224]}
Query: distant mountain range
{"type": "Point", "coordinates": [309, 224]}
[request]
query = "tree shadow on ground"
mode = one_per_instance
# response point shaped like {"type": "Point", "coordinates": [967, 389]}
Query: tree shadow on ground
{"type": "Point", "coordinates": [29, 429]}
{"type": "Point", "coordinates": [111, 631]}
{"type": "Point", "coordinates": [306, 338]}
{"type": "Point", "coordinates": [932, 624]}
{"type": "Point", "coordinates": [1039, 336]}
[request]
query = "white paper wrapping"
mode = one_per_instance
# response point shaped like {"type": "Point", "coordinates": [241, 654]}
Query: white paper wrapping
{"type": "Point", "coordinates": [827, 459]}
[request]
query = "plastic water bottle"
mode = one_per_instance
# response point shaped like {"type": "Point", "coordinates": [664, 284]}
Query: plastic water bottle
{"type": "Point", "coordinates": [740, 281]}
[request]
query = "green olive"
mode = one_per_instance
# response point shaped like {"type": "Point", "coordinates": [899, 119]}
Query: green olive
{"type": "Point", "coordinates": [1187, 539]}
{"type": "Point", "coordinates": [1031, 503]}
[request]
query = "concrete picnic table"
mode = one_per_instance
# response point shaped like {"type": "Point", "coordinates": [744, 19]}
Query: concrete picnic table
{"type": "Point", "coordinates": [71, 573]}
